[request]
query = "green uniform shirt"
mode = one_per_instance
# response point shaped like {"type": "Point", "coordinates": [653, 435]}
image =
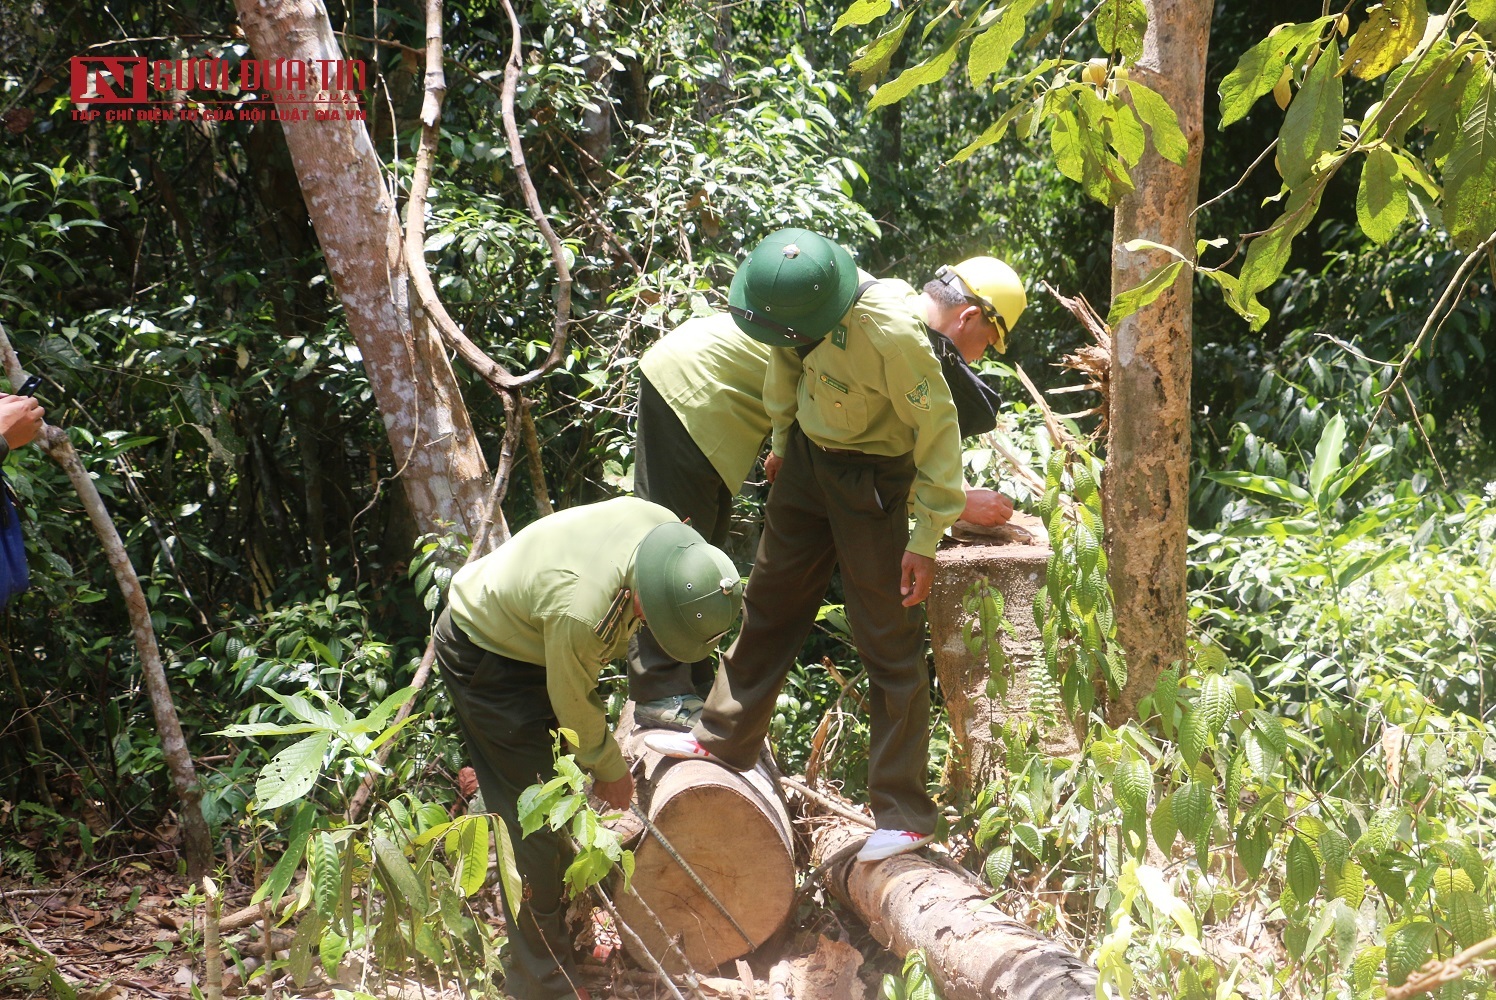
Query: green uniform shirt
{"type": "Point", "coordinates": [874, 385]}
{"type": "Point", "coordinates": [560, 593]}
{"type": "Point", "coordinates": [712, 375]}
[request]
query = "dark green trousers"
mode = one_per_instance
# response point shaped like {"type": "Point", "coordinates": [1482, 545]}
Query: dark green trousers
{"type": "Point", "coordinates": [671, 470]}
{"type": "Point", "coordinates": [506, 720]}
{"type": "Point", "coordinates": [824, 509]}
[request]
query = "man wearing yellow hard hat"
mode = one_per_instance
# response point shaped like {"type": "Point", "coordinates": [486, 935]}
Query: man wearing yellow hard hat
{"type": "Point", "coordinates": [864, 431]}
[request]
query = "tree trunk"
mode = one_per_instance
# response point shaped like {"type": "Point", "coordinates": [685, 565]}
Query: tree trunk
{"type": "Point", "coordinates": [1145, 488]}
{"type": "Point", "coordinates": [734, 832]}
{"type": "Point", "coordinates": [973, 951]}
{"type": "Point", "coordinates": [436, 454]}
{"type": "Point", "coordinates": [197, 842]}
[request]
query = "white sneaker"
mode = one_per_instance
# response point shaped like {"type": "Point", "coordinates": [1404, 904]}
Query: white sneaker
{"type": "Point", "coordinates": [888, 843]}
{"type": "Point", "coordinates": [682, 746]}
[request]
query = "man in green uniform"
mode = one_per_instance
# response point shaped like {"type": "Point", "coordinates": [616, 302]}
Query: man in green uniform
{"type": "Point", "coordinates": [863, 424]}
{"type": "Point", "coordinates": [525, 633]}
{"type": "Point", "coordinates": [700, 427]}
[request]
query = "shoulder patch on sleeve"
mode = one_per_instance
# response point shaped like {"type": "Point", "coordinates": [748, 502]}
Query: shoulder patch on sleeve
{"type": "Point", "coordinates": [920, 395]}
{"type": "Point", "coordinates": [607, 629]}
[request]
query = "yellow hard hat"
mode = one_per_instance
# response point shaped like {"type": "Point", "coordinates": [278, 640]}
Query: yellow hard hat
{"type": "Point", "coordinates": [992, 286]}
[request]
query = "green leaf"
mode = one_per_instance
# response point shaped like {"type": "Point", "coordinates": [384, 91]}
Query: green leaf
{"type": "Point", "coordinates": [1484, 11]}
{"type": "Point", "coordinates": [1407, 950]}
{"type": "Point", "coordinates": [991, 49]}
{"type": "Point", "coordinates": [1120, 26]}
{"type": "Point", "coordinates": [291, 773]}
{"type": "Point", "coordinates": [1392, 31]}
{"type": "Point", "coordinates": [331, 950]}
{"type": "Point", "coordinates": [1216, 702]}
{"type": "Point", "coordinates": [1382, 199]}
{"type": "Point", "coordinates": [1259, 70]}
{"type": "Point", "coordinates": [467, 843]}
{"type": "Point", "coordinates": [873, 61]}
{"type": "Point", "coordinates": [1327, 454]}
{"type": "Point", "coordinates": [999, 864]}
{"type": "Point", "coordinates": [991, 136]}
{"type": "Point", "coordinates": [400, 878]}
{"type": "Point", "coordinates": [1028, 836]}
{"type": "Point", "coordinates": [326, 871]}
{"type": "Point", "coordinates": [1144, 295]}
{"type": "Point", "coordinates": [1303, 869]}
{"type": "Point", "coordinates": [1470, 171]}
{"type": "Point", "coordinates": [1266, 485]}
{"type": "Point", "coordinates": [1334, 850]}
{"type": "Point", "coordinates": [1468, 919]}
{"type": "Point", "coordinates": [285, 869]}
{"type": "Point", "coordinates": [1267, 255]}
{"type": "Point", "coordinates": [1348, 883]}
{"type": "Point", "coordinates": [1313, 122]}
{"type": "Point", "coordinates": [1252, 847]}
{"type": "Point", "coordinates": [1466, 857]}
{"type": "Point", "coordinates": [509, 878]}
{"type": "Point", "coordinates": [1165, 692]}
{"type": "Point", "coordinates": [308, 934]}
{"type": "Point", "coordinates": [1194, 736]}
{"type": "Point", "coordinates": [1165, 828]}
{"type": "Point", "coordinates": [862, 12]}
{"type": "Point", "coordinates": [1162, 122]}
{"type": "Point", "coordinates": [1193, 807]}
{"type": "Point", "coordinates": [1131, 782]}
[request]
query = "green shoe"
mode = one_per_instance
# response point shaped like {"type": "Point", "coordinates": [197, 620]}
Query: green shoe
{"type": "Point", "coordinates": [679, 711]}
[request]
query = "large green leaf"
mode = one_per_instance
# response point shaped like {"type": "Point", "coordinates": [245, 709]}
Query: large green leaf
{"type": "Point", "coordinates": [999, 863]}
{"type": "Point", "coordinates": [1313, 122]}
{"type": "Point", "coordinates": [1303, 869]}
{"type": "Point", "coordinates": [1382, 199]}
{"type": "Point", "coordinates": [325, 869]}
{"type": "Point", "coordinates": [1484, 11]}
{"type": "Point", "coordinates": [1165, 828]}
{"type": "Point", "coordinates": [1407, 949]}
{"type": "Point", "coordinates": [1327, 454]}
{"type": "Point", "coordinates": [291, 773]}
{"type": "Point", "coordinates": [1259, 70]}
{"type": "Point", "coordinates": [1165, 691]}
{"type": "Point", "coordinates": [508, 870]}
{"type": "Point", "coordinates": [1392, 31]}
{"type": "Point", "coordinates": [1468, 918]}
{"type": "Point", "coordinates": [400, 878]}
{"type": "Point", "coordinates": [1251, 847]}
{"type": "Point", "coordinates": [1193, 808]}
{"type": "Point", "coordinates": [991, 49]}
{"type": "Point", "coordinates": [285, 869]}
{"type": "Point", "coordinates": [1216, 702]}
{"type": "Point", "coordinates": [467, 848]}
{"type": "Point", "coordinates": [873, 61]}
{"type": "Point", "coordinates": [1267, 255]}
{"type": "Point", "coordinates": [1141, 296]}
{"type": "Point", "coordinates": [862, 12]}
{"type": "Point", "coordinates": [1131, 782]}
{"type": "Point", "coordinates": [1120, 26]}
{"type": "Point", "coordinates": [1470, 172]}
{"type": "Point", "coordinates": [1194, 736]}
{"type": "Point", "coordinates": [1162, 122]}
{"type": "Point", "coordinates": [929, 71]}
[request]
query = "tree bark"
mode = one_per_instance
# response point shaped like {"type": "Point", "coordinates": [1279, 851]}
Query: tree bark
{"type": "Point", "coordinates": [973, 951]}
{"type": "Point", "coordinates": [436, 452]}
{"type": "Point", "coordinates": [1145, 489]}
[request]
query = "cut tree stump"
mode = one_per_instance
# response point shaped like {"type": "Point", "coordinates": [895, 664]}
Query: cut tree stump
{"type": "Point", "coordinates": [734, 831]}
{"type": "Point", "coordinates": [1014, 559]}
{"type": "Point", "coordinates": [973, 951]}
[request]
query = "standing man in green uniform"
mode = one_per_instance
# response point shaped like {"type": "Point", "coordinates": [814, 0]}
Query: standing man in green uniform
{"type": "Point", "coordinates": [525, 633]}
{"type": "Point", "coordinates": [700, 428]}
{"type": "Point", "coordinates": [863, 422]}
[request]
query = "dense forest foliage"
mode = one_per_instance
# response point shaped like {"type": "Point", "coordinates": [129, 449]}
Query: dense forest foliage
{"type": "Point", "coordinates": [1304, 805]}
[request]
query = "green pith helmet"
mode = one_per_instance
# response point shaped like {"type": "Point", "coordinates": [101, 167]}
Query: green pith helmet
{"type": "Point", "coordinates": [793, 288]}
{"type": "Point", "coordinates": [690, 591]}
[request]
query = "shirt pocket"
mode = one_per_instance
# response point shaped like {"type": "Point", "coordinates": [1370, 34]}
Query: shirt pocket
{"type": "Point", "coordinates": [838, 404]}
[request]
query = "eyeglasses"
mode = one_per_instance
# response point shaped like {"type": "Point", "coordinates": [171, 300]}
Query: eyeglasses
{"type": "Point", "coordinates": [989, 311]}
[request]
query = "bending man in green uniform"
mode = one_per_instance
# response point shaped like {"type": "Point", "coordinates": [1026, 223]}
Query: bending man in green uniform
{"type": "Point", "coordinates": [525, 633]}
{"type": "Point", "coordinates": [863, 421]}
{"type": "Point", "coordinates": [701, 425]}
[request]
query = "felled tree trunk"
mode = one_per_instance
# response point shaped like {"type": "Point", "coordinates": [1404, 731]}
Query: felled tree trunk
{"type": "Point", "coordinates": [734, 832]}
{"type": "Point", "coordinates": [973, 952]}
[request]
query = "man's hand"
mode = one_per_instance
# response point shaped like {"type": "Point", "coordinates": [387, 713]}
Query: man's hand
{"type": "Point", "coordinates": [20, 419]}
{"type": "Point", "coordinates": [915, 576]}
{"type": "Point", "coordinates": [617, 794]}
{"type": "Point", "coordinates": [988, 508]}
{"type": "Point", "coordinates": [771, 466]}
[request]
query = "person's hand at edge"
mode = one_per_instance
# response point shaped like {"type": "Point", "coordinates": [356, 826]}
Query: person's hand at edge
{"type": "Point", "coordinates": [20, 420]}
{"type": "Point", "coordinates": [988, 508]}
{"type": "Point", "coordinates": [618, 794]}
{"type": "Point", "coordinates": [915, 576]}
{"type": "Point", "coordinates": [771, 466]}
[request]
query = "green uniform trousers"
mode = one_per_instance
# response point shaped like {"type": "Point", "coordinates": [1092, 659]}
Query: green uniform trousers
{"type": "Point", "coordinates": [828, 508]}
{"type": "Point", "coordinates": [671, 470]}
{"type": "Point", "coordinates": [506, 720]}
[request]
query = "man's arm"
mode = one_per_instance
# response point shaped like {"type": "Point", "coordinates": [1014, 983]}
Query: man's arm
{"type": "Point", "coordinates": [20, 421]}
{"type": "Point", "coordinates": [573, 659]}
{"type": "Point", "coordinates": [781, 397]}
{"type": "Point", "coordinates": [922, 400]}
{"type": "Point", "coordinates": [986, 507]}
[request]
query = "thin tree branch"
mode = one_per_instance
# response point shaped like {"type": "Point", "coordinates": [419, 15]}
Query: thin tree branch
{"type": "Point", "coordinates": [537, 468]}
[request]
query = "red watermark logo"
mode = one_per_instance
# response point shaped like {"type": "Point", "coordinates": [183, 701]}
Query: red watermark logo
{"type": "Point", "coordinates": [134, 88]}
{"type": "Point", "coordinates": [109, 80]}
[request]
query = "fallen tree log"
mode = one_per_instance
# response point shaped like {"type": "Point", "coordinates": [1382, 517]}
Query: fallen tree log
{"type": "Point", "coordinates": [973, 951]}
{"type": "Point", "coordinates": [733, 831]}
